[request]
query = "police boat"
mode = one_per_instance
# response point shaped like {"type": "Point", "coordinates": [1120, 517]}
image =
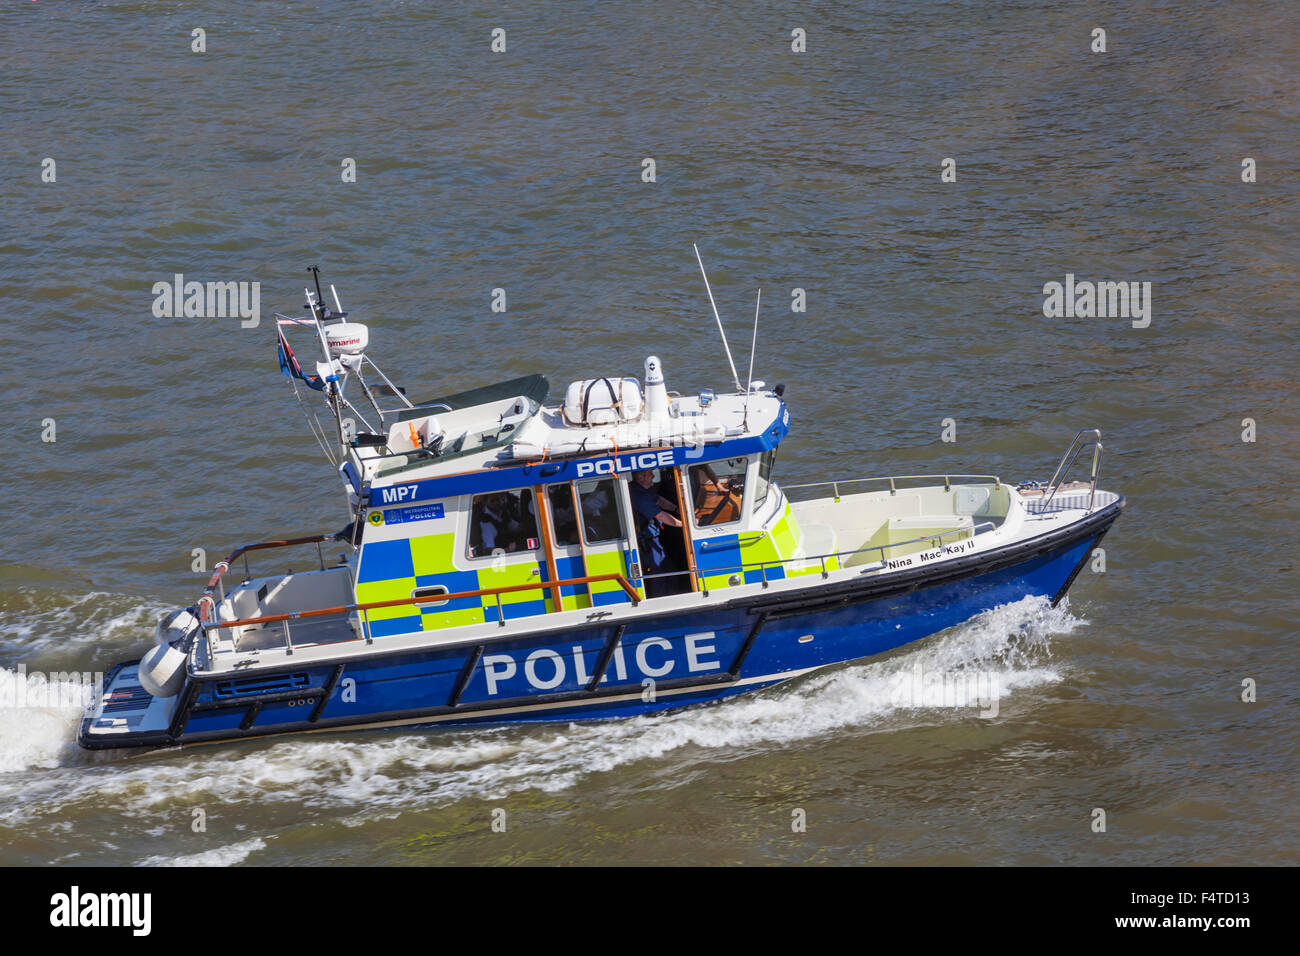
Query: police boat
{"type": "Point", "coordinates": [618, 550]}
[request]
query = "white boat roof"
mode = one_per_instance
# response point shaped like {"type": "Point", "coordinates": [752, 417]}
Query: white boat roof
{"type": "Point", "coordinates": [519, 431]}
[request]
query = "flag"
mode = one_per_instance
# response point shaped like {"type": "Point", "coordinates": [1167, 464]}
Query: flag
{"type": "Point", "coordinates": [289, 362]}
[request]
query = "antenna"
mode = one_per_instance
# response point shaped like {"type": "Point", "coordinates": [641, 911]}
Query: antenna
{"type": "Point", "coordinates": [337, 304]}
{"type": "Point", "coordinates": [749, 383]}
{"type": "Point", "coordinates": [318, 313]}
{"type": "Point", "coordinates": [320, 299]}
{"type": "Point", "coordinates": [716, 316]}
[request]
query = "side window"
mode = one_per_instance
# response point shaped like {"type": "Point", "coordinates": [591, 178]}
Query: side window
{"type": "Point", "coordinates": [765, 465]}
{"type": "Point", "coordinates": [599, 510]}
{"type": "Point", "coordinates": [718, 489]}
{"type": "Point", "coordinates": [563, 517]}
{"type": "Point", "coordinates": [502, 520]}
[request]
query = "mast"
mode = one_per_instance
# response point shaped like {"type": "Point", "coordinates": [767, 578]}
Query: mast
{"type": "Point", "coordinates": [333, 386]}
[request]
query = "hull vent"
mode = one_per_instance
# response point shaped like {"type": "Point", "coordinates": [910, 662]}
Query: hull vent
{"type": "Point", "coordinates": [262, 685]}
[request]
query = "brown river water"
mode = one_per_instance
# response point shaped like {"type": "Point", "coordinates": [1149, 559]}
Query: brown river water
{"type": "Point", "coordinates": [818, 170]}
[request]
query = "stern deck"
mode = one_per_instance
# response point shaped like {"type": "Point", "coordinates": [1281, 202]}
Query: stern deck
{"type": "Point", "coordinates": [126, 709]}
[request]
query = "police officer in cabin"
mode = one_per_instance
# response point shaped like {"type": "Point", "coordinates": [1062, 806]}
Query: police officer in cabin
{"type": "Point", "coordinates": [494, 525]}
{"type": "Point", "coordinates": [653, 512]}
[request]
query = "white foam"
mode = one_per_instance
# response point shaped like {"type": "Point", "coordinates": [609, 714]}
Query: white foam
{"type": "Point", "coordinates": [38, 719]}
{"type": "Point", "coordinates": [96, 618]}
{"type": "Point", "coordinates": [221, 856]}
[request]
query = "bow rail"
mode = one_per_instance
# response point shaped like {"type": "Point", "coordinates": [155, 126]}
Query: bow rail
{"type": "Point", "coordinates": [1085, 439]}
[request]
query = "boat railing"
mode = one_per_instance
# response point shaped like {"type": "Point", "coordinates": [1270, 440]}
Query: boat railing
{"type": "Point", "coordinates": [935, 540]}
{"type": "Point", "coordinates": [406, 457]}
{"type": "Point", "coordinates": [1085, 439]}
{"type": "Point", "coordinates": [893, 480]}
{"type": "Point", "coordinates": [214, 624]}
{"type": "Point", "coordinates": [413, 411]}
{"type": "Point", "coordinates": [215, 591]}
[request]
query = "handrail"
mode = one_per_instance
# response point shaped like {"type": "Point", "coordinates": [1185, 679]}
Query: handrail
{"type": "Point", "coordinates": [411, 453]}
{"type": "Point", "coordinates": [948, 479]}
{"type": "Point", "coordinates": [420, 408]}
{"type": "Point", "coordinates": [1077, 446]}
{"type": "Point", "coordinates": [619, 578]}
{"type": "Point", "coordinates": [833, 554]}
{"type": "Point", "coordinates": [400, 602]}
{"type": "Point", "coordinates": [207, 603]}
{"type": "Point", "coordinates": [223, 566]}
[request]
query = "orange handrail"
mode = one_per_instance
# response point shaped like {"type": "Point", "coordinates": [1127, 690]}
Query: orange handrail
{"type": "Point", "coordinates": [399, 602]}
{"type": "Point", "coordinates": [223, 566]}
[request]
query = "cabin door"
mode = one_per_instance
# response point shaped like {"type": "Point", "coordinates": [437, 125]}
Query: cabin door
{"type": "Point", "coordinates": [663, 539]}
{"type": "Point", "coordinates": [563, 545]}
{"type": "Point", "coordinates": [608, 541]}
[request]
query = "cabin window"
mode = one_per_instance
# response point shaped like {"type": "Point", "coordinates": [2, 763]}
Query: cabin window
{"type": "Point", "coordinates": [765, 465]}
{"type": "Point", "coordinates": [599, 510]}
{"type": "Point", "coordinates": [502, 521]}
{"type": "Point", "coordinates": [718, 490]}
{"type": "Point", "coordinates": [563, 516]}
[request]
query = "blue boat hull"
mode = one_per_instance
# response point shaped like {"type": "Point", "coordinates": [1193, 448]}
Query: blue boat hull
{"type": "Point", "coordinates": [645, 665]}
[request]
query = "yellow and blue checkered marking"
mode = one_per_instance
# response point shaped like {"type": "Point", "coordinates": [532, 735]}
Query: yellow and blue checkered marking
{"type": "Point", "coordinates": [753, 555]}
{"type": "Point", "coordinates": [392, 570]}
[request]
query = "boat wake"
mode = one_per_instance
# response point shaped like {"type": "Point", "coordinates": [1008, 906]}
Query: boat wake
{"type": "Point", "coordinates": [50, 621]}
{"type": "Point", "coordinates": [357, 778]}
{"type": "Point", "coordinates": [220, 856]}
{"type": "Point", "coordinates": [39, 714]}
{"type": "Point", "coordinates": [46, 638]}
